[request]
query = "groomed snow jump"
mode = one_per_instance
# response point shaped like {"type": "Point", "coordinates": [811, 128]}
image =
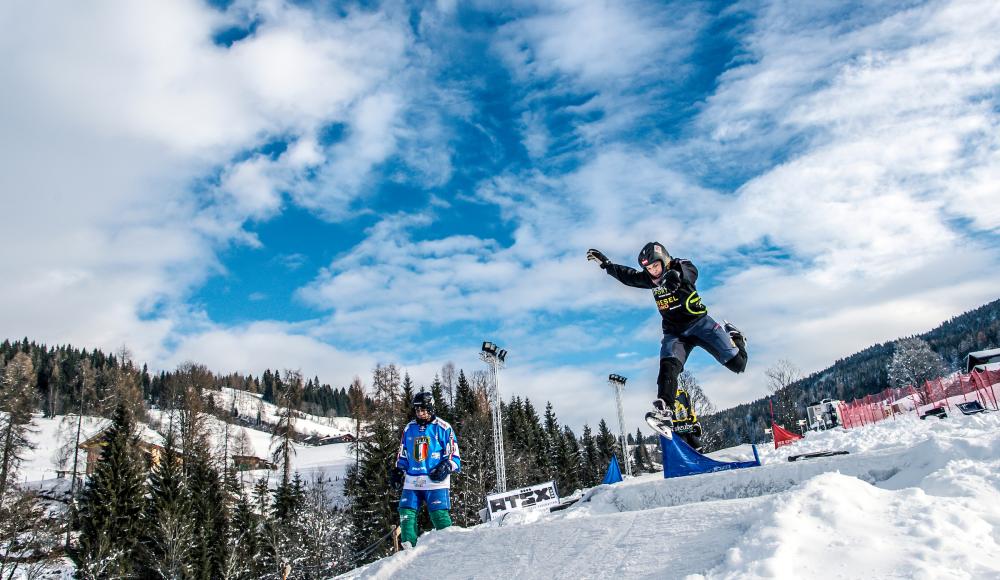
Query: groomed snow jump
{"type": "Point", "coordinates": [680, 460]}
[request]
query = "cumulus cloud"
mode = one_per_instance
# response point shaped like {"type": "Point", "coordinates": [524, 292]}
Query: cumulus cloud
{"type": "Point", "coordinates": [124, 140]}
{"type": "Point", "coordinates": [264, 345]}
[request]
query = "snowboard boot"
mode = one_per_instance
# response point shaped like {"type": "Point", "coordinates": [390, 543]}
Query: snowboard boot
{"type": "Point", "coordinates": [736, 334]}
{"type": "Point", "coordinates": [661, 419]}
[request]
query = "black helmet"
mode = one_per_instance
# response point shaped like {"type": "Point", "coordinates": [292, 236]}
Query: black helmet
{"type": "Point", "coordinates": [423, 400]}
{"type": "Point", "coordinates": [654, 251]}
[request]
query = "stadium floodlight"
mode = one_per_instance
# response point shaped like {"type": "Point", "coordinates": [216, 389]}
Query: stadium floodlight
{"type": "Point", "coordinates": [495, 357]}
{"type": "Point", "coordinates": [617, 383]}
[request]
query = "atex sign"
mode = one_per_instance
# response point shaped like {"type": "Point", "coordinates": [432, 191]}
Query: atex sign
{"type": "Point", "coordinates": [542, 495]}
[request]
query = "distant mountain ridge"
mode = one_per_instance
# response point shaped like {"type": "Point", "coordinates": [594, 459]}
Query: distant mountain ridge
{"type": "Point", "coordinates": [855, 376]}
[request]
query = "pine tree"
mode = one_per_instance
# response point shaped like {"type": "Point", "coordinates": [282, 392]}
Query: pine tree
{"type": "Point", "coordinates": [209, 515]}
{"type": "Point", "coordinates": [373, 508]}
{"type": "Point", "coordinates": [112, 504]}
{"type": "Point", "coordinates": [283, 533]}
{"type": "Point", "coordinates": [607, 446]}
{"type": "Point", "coordinates": [474, 431]}
{"type": "Point", "coordinates": [569, 463]}
{"type": "Point", "coordinates": [408, 391]}
{"type": "Point", "coordinates": [465, 400]}
{"type": "Point", "coordinates": [537, 446]}
{"type": "Point", "coordinates": [168, 529]}
{"type": "Point", "coordinates": [245, 539]}
{"type": "Point", "coordinates": [590, 459]}
{"type": "Point", "coordinates": [441, 407]}
{"type": "Point", "coordinates": [325, 533]}
{"type": "Point", "coordinates": [640, 455]}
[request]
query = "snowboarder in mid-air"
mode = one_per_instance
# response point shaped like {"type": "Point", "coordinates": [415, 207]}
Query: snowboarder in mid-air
{"type": "Point", "coordinates": [686, 323]}
{"type": "Point", "coordinates": [428, 455]}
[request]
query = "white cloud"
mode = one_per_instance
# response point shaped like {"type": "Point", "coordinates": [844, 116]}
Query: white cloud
{"type": "Point", "coordinates": [613, 58]}
{"type": "Point", "coordinates": [262, 345]}
{"type": "Point", "coordinates": [113, 111]}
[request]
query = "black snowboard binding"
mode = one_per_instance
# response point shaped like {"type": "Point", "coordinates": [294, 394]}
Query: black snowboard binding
{"type": "Point", "coordinates": [661, 419]}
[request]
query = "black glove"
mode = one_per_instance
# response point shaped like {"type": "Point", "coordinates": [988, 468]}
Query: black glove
{"type": "Point", "coordinates": [598, 257]}
{"type": "Point", "coordinates": [671, 280]}
{"type": "Point", "coordinates": [396, 477]}
{"type": "Point", "coordinates": [440, 471]}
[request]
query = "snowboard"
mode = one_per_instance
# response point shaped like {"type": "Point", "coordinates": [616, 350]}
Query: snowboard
{"type": "Point", "coordinates": [659, 426]}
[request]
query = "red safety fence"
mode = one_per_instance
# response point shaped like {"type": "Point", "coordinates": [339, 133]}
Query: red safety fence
{"type": "Point", "coordinates": [981, 386]}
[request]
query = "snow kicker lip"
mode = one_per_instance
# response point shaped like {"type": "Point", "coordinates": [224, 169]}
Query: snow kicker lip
{"type": "Point", "coordinates": [771, 478]}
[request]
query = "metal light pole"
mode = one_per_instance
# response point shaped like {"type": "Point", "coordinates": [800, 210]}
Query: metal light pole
{"type": "Point", "coordinates": [617, 383]}
{"type": "Point", "coordinates": [494, 356]}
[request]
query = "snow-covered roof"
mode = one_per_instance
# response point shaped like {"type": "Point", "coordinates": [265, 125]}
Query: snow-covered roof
{"type": "Point", "coordinates": [989, 353]}
{"type": "Point", "coordinates": [146, 433]}
{"type": "Point", "coordinates": [979, 357]}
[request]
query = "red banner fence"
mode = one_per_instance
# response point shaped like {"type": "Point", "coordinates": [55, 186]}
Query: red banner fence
{"type": "Point", "coordinates": [982, 386]}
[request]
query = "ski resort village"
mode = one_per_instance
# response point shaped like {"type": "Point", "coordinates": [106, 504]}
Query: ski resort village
{"type": "Point", "coordinates": [490, 289]}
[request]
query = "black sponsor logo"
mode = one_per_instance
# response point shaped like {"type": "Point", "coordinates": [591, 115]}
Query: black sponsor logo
{"type": "Point", "coordinates": [526, 498]}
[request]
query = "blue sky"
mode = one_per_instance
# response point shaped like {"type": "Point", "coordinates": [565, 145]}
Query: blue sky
{"type": "Point", "coordinates": [327, 186]}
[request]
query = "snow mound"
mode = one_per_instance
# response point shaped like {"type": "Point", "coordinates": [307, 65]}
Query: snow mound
{"type": "Point", "coordinates": [839, 526]}
{"type": "Point", "coordinates": [913, 499]}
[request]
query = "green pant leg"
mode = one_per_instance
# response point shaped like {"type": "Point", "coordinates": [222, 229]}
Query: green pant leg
{"type": "Point", "coordinates": [408, 526]}
{"type": "Point", "coordinates": [441, 519]}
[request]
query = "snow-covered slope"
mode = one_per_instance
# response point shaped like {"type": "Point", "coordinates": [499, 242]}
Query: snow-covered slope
{"type": "Point", "coordinates": [913, 499]}
{"type": "Point", "coordinates": [250, 404]}
{"type": "Point", "coordinates": [41, 464]}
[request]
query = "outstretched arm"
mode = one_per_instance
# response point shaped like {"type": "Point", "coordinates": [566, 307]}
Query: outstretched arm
{"type": "Point", "coordinates": [629, 276]}
{"type": "Point", "coordinates": [624, 274]}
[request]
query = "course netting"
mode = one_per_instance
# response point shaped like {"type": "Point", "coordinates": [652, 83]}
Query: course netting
{"type": "Point", "coordinates": [934, 398]}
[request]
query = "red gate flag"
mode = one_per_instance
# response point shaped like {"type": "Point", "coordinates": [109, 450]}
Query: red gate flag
{"type": "Point", "coordinates": [782, 436]}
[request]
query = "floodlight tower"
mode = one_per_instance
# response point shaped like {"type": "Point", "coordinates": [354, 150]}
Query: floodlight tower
{"type": "Point", "coordinates": [617, 383]}
{"type": "Point", "coordinates": [495, 356]}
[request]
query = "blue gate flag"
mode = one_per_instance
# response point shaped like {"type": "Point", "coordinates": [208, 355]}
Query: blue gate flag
{"type": "Point", "coordinates": [680, 460]}
{"type": "Point", "coordinates": [614, 474]}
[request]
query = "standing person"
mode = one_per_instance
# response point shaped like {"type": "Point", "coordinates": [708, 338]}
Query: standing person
{"type": "Point", "coordinates": [686, 323]}
{"type": "Point", "coordinates": [428, 455]}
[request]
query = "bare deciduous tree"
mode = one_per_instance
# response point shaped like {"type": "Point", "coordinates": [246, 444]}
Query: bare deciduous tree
{"type": "Point", "coordinates": [914, 363]}
{"type": "Point", "coordinates": [448, 381]}
{"type": "Point", "coordinates": [699, 400]}
{"type": "Point", "coordinates": [17, 398]}
{"type": "Point", "coordinates": [781, 377]}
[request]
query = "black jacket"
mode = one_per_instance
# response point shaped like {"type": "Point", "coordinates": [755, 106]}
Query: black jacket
{"type": "Point", "coordinates": [678, 308]}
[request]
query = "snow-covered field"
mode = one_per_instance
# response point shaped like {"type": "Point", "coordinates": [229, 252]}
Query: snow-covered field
{"type": "Point", "coordinates": [913, 499]}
